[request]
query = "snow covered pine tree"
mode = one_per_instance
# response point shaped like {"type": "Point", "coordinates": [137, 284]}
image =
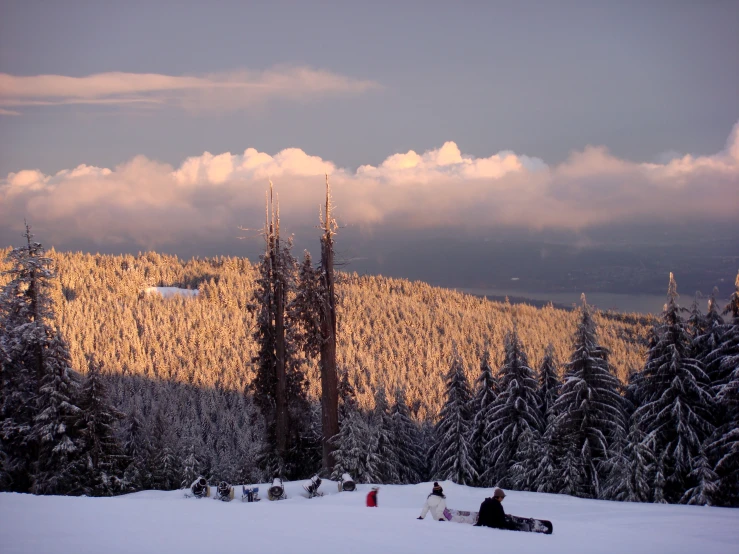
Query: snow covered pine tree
{"type": "Point", "coordinates": [515, 422]}
{"type": "Point", "coordinates": [485, 395]}
{"type": "Point", "coordinates": [451, 453]}
{"type": "Point", "coordinates": [675, 415]}
{"type": "Point", "coordinates": [724, 447]}
{"type": "Point", "coordinates": [38, 397]}
{"type": "Point", "coordinates": [590, 413]}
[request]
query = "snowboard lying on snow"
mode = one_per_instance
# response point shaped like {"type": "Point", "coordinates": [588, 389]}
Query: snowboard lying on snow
{"type": "Point", "coordinates": [521, 523]}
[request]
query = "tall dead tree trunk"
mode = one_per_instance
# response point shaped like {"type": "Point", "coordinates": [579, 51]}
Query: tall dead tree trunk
{"type": "Point", "coordinates": [329, 379]}
{"type": "Point", "coordinates": [280, 300]}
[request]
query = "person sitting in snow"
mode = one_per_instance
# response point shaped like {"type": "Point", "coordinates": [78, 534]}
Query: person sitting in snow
{"type": "Point", "coordinates": [436, 503]}
{"type": "Point", "coordinates": [492, 513]}
{"type": "Point", "coordinates": [372, 497]}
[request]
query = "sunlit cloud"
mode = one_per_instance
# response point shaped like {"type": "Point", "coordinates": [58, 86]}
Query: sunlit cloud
{"type": "Point", "coordinates": [232, 90]}
{"type": "Point", "coordinates": [154, 204]}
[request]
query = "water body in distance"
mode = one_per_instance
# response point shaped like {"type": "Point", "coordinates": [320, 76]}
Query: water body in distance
{"type": "Point", "coordinates": [626, 303]}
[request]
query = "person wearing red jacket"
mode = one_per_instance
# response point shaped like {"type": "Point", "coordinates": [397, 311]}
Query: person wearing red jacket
{"type": "Point", "coordinates": [372, 497]}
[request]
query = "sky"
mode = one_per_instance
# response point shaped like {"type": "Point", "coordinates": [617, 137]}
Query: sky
{"type": "Point", "coordinates": [157, 125]}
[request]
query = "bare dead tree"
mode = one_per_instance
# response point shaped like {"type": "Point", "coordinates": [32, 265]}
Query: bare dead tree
{"type": "Point", "coordinates": [271, 382]}
{"type": "Point", "coordinates": [329, 379]}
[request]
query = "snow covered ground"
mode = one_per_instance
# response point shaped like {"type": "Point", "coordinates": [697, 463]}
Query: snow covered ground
{"type": "Point", "coordinates": [167, 522]}
{"type": "Point", "coordinates": [169, 292]}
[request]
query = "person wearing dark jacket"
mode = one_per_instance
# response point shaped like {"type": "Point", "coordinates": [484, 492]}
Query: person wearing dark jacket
{"type": "Point", "coordinates": [492, 513]}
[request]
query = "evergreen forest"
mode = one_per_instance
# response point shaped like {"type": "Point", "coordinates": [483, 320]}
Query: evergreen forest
{"type": "Point", "coordinates": [108, 387]}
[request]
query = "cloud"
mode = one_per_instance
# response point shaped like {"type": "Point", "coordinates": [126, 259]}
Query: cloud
{"type": "Point", "coordinates": [219, 91]}
{"type": "Point", "coordinates": [155, 205]}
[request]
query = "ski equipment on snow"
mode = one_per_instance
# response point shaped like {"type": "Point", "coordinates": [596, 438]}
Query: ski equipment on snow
{"type": "Point", "coordinates": [527, 524]}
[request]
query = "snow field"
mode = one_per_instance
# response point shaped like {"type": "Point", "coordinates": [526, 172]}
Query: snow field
{"type": "Point", "coordinates": [170, 292]}
{"type": "Point", "coordinates": [166, 522]}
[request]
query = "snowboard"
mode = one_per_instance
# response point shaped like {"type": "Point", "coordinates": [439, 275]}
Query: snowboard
{"type": "Point", "coordinates": [527, 524]}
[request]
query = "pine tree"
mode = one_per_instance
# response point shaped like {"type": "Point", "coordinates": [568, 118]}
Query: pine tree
{"type": "Point", "coordinates": [356, 450]}
{"type": "Point", "coordinates": [303, 445]}
{"type": "Point", "coordinates": [102, 457]}
{"type": "Point", "coordinates": [724, 447]}
{"type": "Point", "coordinates": [137, 448]}
{"type": "Point", "coordinates": [572, 473]}
{"type": "Point", "coordinates": [658, 495]}
{"type": "Point", "coordinates": [540, 473]}
{"type": "Point", "coordinates": [191, 466]}
{"type": "Point", "coordinates": [633, 385]}
{"type": "Point", "coordinates": [704, 478]}
{"type": "Point", "coordinates": [549, 384]}
{"type": "Point", "coordinates": [451, 452]}
{"type": "Point", "coordinates": [382, 423]}
{"type": "Point", "coordinates": [676, 401]}
{"type": "Point", "coordinates": [304, 336]}
{"type": "Point", "coordinates": [166, 467]}
{"type": "Point", "coordinates": [427, 433]}
{"type": "Point", "coordinates": [26, 316]}
{"type": "Point", "coordinates": [590, 411]}
{"type": "Point", "coordinates": [515, 421]}
{"type": "Point", "coordinates": [632, 468]}
{"type": "Point", "coordinates": [279, 385]}
{"type": "Point", "coordinates": [55, 429]}
{"type": "Point", "coordinates": [707, 338]}
{"type": "Point", "coordinates": [304, 308]}
{"type": "Point", "coordinates": [406, 442]}
{"type": "Point", "coordinates": [486, 392]}
{"type": "Point", "coordinates": [347, 395]}
{"type": "Point", "coordinates": [696, 322]}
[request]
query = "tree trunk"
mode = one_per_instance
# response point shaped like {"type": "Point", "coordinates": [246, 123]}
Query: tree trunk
{"type": "Point", "coordinates": [281, 400]}
{"type": "Point", "coordinates": [329, 379]}
{"type": "Point", "coordinates": [278, 286]}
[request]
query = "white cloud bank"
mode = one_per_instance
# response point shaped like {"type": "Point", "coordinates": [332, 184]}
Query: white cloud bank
{"type": "Point", "coordinates": [222, 91]}
{"type": "Point", "coordinates": [207, 196]}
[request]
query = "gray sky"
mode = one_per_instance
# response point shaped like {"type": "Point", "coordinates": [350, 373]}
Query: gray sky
{"type": "Point", "coordinates": [537, 77]}
{"type": "Point", "coordinates": [127, 126]}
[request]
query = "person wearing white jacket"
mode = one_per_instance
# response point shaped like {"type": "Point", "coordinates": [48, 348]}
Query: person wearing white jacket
{"type": "Point", "coordinates": [435, 503]}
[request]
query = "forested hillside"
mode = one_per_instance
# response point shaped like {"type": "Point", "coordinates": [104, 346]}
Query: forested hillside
{"type": "Point", "coordinates": [117, 388]}
{"type": "Point", "coordinates": [392, 333]}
